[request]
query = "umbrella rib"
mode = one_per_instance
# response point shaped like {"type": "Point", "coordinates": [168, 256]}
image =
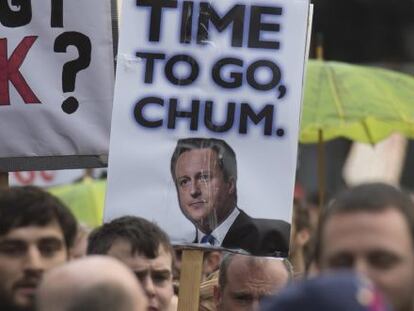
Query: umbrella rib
{"type": "Point", "coordinates": [337, 101]}
{"type": "Point", "coordinates": [395, 106]}
{"type": "Point", "coordinates": [368, 132]}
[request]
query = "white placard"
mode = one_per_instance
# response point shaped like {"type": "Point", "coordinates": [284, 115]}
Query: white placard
{"type": "Point", "coordinates": [366, 163]}
{"type": "Point", "coordinates": [178, 76]}
{"type": "Point", "coordinates": [56, 78]}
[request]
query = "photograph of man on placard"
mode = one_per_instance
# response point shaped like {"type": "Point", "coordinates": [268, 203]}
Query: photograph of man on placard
{"type": "Point", "coordinates": [204, 171]}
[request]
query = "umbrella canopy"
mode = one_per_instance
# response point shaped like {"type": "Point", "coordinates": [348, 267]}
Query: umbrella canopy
{"type": "Point", "coordinates": [364, 104]}
{"type": "Point", "coordinates": [85, 199]}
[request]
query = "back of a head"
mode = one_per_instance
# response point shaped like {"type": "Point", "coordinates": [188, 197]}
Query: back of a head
{"type": "Point", "coordinates": [343, 291]}
{"type": "Point", "coordinates": [102, 297]}
{"type": "Point", "coordinates": [144, 236]}
{"type": "Point", "coordinates": [370, 198]}
{"type": "Point", "coordinates": [92, 283]}
{"type": "Point", "coordinates": [32, 206]}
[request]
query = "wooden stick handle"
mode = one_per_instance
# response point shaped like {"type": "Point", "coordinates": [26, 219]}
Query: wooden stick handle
{"type": "Point", "coordinates": [190, 280]}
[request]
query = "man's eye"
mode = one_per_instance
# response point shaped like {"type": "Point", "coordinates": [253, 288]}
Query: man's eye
{"type": "Point", "coordinates": [204, 177]}
{"type": "Point", "coordinates": [184, 182]}
{"type": "Point", "coordinates": [140, 275]}
{"type": "Point", "coordinates": [48, 250]}
{"type": "Point", "coordinates": [341, 261]}
{"type": "Point", "coordinates": [383, 260]}
{"type": "Point", "coordinates": [160, 277]}
{"type": "Point", "coordinates": [12, 249]}
{"type": "Point", "coordinates": [243, 299]}
{"type": "Point", "coordinates": [50, 247]}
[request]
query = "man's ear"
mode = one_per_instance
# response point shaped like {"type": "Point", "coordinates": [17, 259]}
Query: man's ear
{"type": "Point", "coordinates": [217, 296]}
{"type": "Point", "coordinates": [232, 185]}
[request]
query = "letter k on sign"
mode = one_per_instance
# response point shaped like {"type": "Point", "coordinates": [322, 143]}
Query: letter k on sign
{"type": "Point", "coordinates": [9, 71]}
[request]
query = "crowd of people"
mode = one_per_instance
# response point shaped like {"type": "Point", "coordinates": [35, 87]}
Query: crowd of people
{"type": "Point", "coordinates": [358, 255]}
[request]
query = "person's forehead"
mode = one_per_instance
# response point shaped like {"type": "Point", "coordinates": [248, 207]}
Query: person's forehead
{"type": "Point", "coordinates": [262, 273]}
{"type": "Point", "coordinates": [33, 232]}
{"type": "Point", "coordinates": [204, 156]}
{"type": "Point", "coordinates": [381, 218]}
{"type": "Point", "coordinates": [121, 249]}
{"type": "Point", "coordinates": [362, 230]}
{"type": "Point", "coordinates": [162, 262]}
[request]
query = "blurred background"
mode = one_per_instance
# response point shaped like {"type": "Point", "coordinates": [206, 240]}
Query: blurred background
{"type": "Point", "coordinates": [366, 32]}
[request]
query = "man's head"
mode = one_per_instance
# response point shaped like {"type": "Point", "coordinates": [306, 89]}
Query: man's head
{"type": "Point", "coordinates": [36, 233]}
{"type": "Point", "coordinates": [370, 228]}
{"type": "Point", "coordinates": [205, 173]}
{"type": "Point", "coordinates": [145, 249]}
{"type": "Point", "coordinates": [93, 283]}
{"type": "Point", "coordinates": [245, 280]}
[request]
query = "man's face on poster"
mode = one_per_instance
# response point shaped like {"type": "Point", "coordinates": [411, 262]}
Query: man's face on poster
{"type": "Point", "coordinates": [205, 197]}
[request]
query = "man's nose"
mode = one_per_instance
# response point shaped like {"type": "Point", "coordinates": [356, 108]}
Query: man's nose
{"type": "Point", "coordinates": [34, 260]}
{"type": "Point", "coordinates": [195, 189]}
{"type": "Point", "coordinates": [149, 287]}
{"type": "Point", "coordinates": [255, 306]}
{"type": "Point", "coordinates": [361, 266]}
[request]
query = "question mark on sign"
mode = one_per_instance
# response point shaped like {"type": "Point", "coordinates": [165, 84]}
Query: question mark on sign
{"type": "Point", "coordinates": [71, 69]}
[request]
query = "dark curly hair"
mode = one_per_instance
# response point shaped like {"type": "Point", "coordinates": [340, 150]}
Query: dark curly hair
{"type": "Point", "coordinates": [144, 236]}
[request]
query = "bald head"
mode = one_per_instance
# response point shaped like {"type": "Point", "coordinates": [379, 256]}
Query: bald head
{"type": "Point", "coordinates": [245, 280]}
{"type": "Point", "coordinates": [94, 283]}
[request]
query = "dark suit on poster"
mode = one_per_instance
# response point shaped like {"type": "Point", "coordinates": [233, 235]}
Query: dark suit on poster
{"type": "Point", "coordinates": [261, 237]}
{"type": "Point", "coordinates": [258, 236]}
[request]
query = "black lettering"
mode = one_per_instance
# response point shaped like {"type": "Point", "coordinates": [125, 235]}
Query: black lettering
{"type": "Point", "coordinates": [251, 75]}
{"type": "Point", "coordinates": [234, 16]}
{"type": "Point", "coordinates": [246, 113]}
{"type": "Point", "coordinates": [257, 26]}
{"type": "Point", "coordinates": [20, 16]}
{"type": "Point", "coordinates": [156, 11]}
{"type": "Point", "coordinates": [208, 117]}
{"type": "Point", "coordinates": [192, 76]}
{"type": "Point", "coordinates": [236, 78]}
{"type": "Point", "coordinates": [56, 20]}
{"type": "Point", "coordinates": [173, 114]}
{"type": "Point", "coordinates": [139, 111]}
{"type": "Point", "coordinates": [149, 64]}
{"type": "Point", "coordinates": [186, 22]}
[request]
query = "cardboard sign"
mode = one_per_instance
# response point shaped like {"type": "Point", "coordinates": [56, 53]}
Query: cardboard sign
{"type": "Point", "coordinates": [56, 77]}
{"type": "Point", "coordinates": [206, 116]}
{"type": "Point", "coordinates": [44, 178]}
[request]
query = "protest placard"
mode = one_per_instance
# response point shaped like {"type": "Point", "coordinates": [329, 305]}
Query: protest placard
{"type": "Point", "coordinates": [44, 178]}
{"type": "Point", "coordinates": [206, 116]}
{"type": "Point", "coordinates": [56, 81]}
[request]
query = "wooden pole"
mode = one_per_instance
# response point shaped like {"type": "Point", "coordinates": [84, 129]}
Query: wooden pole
{"type": "Point", "coordinates": [4, 180]}
{"type": "Point", "coordinates": [190, 280]}
{"type": "Point", "coordinates": [321, 169]}
{"type": "Point", "coordinates": [321, 150]}
{"type": "Point", "coordinates": [319, 47]}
